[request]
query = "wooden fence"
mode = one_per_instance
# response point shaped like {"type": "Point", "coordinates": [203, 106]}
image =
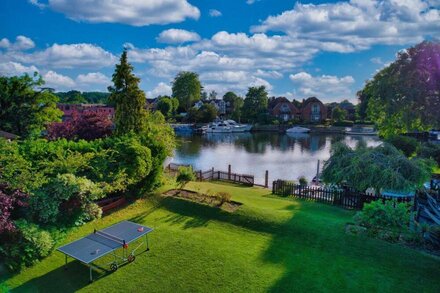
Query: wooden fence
{"type": "Point", "coordinates": [344, 197]}
{"type": "Point", "coordinates": [111, 203]}
{"type": "Point", "coordinates": [216, 175]}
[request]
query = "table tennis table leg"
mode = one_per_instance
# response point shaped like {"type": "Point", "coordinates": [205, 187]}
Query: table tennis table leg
{"type": "Point", "coordinates": [91, 276]}
{"type": "Point", "coordinates": [146, 240]}
{"type": "Point", "coordinates": [65, 263]}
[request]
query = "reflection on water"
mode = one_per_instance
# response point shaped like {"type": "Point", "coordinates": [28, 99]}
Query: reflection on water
{"type": "Point", "coordinates": [286, 156]}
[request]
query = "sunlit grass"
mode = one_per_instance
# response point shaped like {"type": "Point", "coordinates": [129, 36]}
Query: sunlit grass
{"type": "Point", "coordinates": [269, 244]}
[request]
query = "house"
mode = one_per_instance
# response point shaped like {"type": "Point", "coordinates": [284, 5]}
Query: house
{"type": "Point", "coordinates": [284, 109]}
{"type": "Point", "coordinates": [8, 136]}
{"type": "Point", "coordinates": [313, 110]}
{"type": "Point", "coordinates": [220, 105]}
{"type": "Point", "coordinates": [198, 104]}
{"type": "Point", "coordinates": [79, 109]}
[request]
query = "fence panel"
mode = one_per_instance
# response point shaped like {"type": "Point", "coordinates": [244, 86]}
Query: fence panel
{"type": "Point", "coordinates": [347, 198]}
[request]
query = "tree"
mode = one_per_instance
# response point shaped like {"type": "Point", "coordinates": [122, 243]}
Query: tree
{"type": "Point", "coordinates": [405, 96]}
{"type": "Point", "coordinates": [71, 97]}
{"type": "Point", "coordinates": [186, 88]}
{"type": "Point", "coordinates": [128, 99]}
{"type": "Point", "coordinates": [338, 114]}
{"type": "Point", "coordinates": [208, 113]}
{"type": "Point", "coordinates": [88, 125]}
{"type": "Point", "coordinates": [408, 145]}
{"type": "Point", "coordinates": [213, 95]}
{"type": "Point", "coordinates": [234, 105]}
{"type": "Point", "coordinates": [165, 106]}
{"type": "Point", "coordinates": [23, 110]}
{"type": "Point", "coordinates": [255, 103]}
{"type": "Point", "coordinates": [381, 167]}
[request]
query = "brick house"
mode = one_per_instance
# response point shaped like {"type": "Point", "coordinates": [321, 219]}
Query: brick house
{"type": "Point", "coordinates": [70, 109]}
{"type": "Point", "coordinates": [313, 110]}
{"type": "Point", "coordinates": [283, 109]}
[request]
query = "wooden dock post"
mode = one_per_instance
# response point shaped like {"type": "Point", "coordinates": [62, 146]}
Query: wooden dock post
{"type": "Point", "coordinates": [266, 179]}
{"type": "Point", "coordinates": [229, 172]}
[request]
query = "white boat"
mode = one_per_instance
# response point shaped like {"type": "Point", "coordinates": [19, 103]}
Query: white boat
{"type": "Point", "coordinates": [434, 134]}
{"type": "Point", "coordinates": [218, 127]}
{"type": "Point", "coordinates": [236, 127]}
{"type": "Point", "coordinates": [298, 129]}
{"type": "Point", "coordinates": [360, 131]}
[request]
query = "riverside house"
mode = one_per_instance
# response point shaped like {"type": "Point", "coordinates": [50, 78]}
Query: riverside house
{"type": "Point", "coordinates": [309, 110]}
{"type": "Point", "coordinates": [80, 109]}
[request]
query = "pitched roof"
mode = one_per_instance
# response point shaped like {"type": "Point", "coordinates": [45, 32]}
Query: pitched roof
{"type": "Point", "coordinates": [311, 100]}
{"type": "Point", "coordinates": [275, 101]}
{"type": "Point", "coordinates": [7, 135]}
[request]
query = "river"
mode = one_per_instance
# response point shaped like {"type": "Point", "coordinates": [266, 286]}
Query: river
{"type": "Point", "coordinates": [284, 156]}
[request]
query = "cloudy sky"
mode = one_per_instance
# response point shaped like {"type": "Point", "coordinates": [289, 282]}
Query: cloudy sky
{"type": "Point", "coordinates": [295, 48]}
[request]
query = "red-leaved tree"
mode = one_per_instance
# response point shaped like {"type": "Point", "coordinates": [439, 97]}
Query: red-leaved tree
{"type": "Point", "coordinates": [10, 201]}
{"type": "Point", "coordinates": [87, 125]}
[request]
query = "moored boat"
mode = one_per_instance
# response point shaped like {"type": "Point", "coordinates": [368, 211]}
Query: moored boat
{"type": "Point", "coordinates": [218, 127]}
{"type": "Point", "coordinates": [298, 129]}
{"type": "Point", "coordinates": [360, 131]}
{"type": "Point", "coordinates": [237, 127]}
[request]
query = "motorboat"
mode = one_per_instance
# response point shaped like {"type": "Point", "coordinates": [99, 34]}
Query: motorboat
{"type": "Point", "coordinates": [360, 131]}
{"type": "Point", "coordinates": [237, 127]}
{"type": "Point", "coordinates": [218, 127]}
{"type": "Point", "coordinates": [434, 134]}
{"type": "Point", "coordinates": [298, 129]}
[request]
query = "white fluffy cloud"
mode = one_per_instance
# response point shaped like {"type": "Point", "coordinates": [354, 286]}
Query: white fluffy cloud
{"type": "Point", "coordinates": [177, 36]}
{"type": "Point", "coordinates": [161, 89]}
{"type": "Point", "coordinates": [14, 68]}
{"type": "Point", "coordinates": [58, 81]}
{"type": "Point", "coordinates": [214, 13]}
{"type": "Point", "coordinates": [21, 43]}
{"type": "Point", "coordinates": [64, 56]}
{"type": "Point", "coordinates": [92, 81]}
{"type": "Point", "coordinates": [131, 12]}
{"type": "Point", "coordinates": [325, 87]}
{"type": "Point", "coordinates": [357, 24]}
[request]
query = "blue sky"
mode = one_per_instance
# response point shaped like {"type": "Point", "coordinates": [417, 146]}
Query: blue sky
{"type": "Point", "coordinates": [296, 49]}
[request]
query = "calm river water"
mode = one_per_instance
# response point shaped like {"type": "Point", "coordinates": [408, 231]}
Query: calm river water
{"type": "Point", "coordinates": [285, 156]}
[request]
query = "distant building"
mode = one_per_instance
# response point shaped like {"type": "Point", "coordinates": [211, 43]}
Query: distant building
{"type": "Point", "coordinates": [152, 104]}
{"type": "Point", "coordinates": [283, 109]}
{"type": "Point", "coordinates": [220, 105]}
{"type": "Point", "coordinates": [8, 136]}
{"type": "Point", "coordinates": [198, 104]}
{"type": "Point", "coordinates": [313, 110]}
{"type": "Point", "coordinates": [79, 109]}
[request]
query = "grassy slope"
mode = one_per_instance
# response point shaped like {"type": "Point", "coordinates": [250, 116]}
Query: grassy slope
{"type": "Point", "coordinates": [270, 244]}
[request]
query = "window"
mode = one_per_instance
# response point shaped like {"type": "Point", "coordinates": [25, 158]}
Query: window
{"type": "Point", "coordinates": [315, 108]}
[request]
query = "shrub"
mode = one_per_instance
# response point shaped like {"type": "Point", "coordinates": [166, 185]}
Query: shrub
{"type": "Point", "coordinates": [430, 151]}
{"type": "Point", "coordinates": [186, 174]}
{"type": "Point", "coordinates": [223, 197]}
{"type": "Point", "coordinates": [408, 145]}
{"type": "Point", "coordinates": [66, 199]}
{"type": "Point", "coordinates": [11, 200]}
{"type": "Point", "coordinates": [344, 123]}
{"type": "Point", "coordinates": [303, 181]}
{"type": "Point", "coordinates": [25, 246]}
{"type": "Point", "coordinates": [378, 216]}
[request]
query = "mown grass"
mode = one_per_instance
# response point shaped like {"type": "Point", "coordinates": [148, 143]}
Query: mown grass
{"type": "Point", "coordinates": [269, 244]}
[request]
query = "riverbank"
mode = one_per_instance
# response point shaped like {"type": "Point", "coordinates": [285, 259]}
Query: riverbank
{"type": "Point", "coordinates": [268, 244]}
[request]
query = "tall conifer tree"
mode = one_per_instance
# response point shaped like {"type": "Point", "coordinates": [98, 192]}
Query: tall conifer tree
{"type": "Point", "coordinates": [128, 98]}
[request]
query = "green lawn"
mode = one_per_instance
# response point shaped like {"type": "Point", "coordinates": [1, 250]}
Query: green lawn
{"type": "Point", "coordinates": [269, 244]}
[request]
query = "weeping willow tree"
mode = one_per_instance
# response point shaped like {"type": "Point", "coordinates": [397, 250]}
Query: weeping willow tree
{"type": "Point", "coordinates": [381, 167]}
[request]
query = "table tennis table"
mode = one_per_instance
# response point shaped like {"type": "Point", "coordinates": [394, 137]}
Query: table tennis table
{"type": "Point", "coordinates": [106, 241]}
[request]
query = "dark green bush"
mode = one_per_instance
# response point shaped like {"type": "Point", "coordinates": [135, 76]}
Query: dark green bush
{"type": "Point", "coordinates": [430, 151]}
{"type": "Point", "coordinates": [408, 145]}
{"type": "Point", "coordinates": [303, 181]}
{"type": "Point", "coordinates": [344, 123]}
{"type": "Point", "coordinates": [379, 217]}
{"type": "Point", "coordinates": [66, 199]}
{"type": "Point", "coordinates": [28, 244]}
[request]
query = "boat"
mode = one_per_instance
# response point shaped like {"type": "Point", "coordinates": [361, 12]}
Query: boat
{"type": "Point", "coordinates": [298, 129]}
{"type": "Point", "coordinates": [434, 134]}
{"type": "Point", "coordinates": [182, 128]}
{"type": "Point", "coordinates": [237, 127]}
{"type": "Point", "coordinates": [360, 131]}
{"type": "Point", "coordinates": [218, 127]}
